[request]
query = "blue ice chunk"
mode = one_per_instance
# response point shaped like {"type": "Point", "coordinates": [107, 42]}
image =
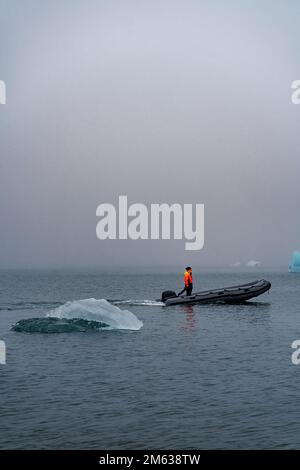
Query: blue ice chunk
{"type": "Point", "coordinates": [294, 266]}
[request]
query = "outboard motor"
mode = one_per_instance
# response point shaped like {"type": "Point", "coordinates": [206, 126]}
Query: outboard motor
{"type": "Point", "coordinates": [168, 294]}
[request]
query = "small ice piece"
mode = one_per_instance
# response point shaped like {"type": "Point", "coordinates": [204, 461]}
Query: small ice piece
{"type": "Point", "coordinates": [236, 264]}
{"type": "Point", "coordinates": [294, 266]}
{"type": "Point", "coordinates": [252, 263]}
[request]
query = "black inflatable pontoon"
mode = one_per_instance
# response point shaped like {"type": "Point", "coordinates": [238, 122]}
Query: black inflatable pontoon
{"type": "Point", "coordinates": [234, 294]}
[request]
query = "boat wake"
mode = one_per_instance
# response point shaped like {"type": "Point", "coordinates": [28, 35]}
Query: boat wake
{"type": "Point", "coordinates": [28, 305]}
{"type": "Point", "coordinates": [81, 316]}
{"type": "Point", "coordinates": [149, 303]}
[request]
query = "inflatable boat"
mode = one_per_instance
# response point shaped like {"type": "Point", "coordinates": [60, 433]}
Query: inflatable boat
{"type": "Point", "coordinates": [234, 294]}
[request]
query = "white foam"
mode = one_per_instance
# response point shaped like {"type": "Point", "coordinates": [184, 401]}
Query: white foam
{"type": "Point", "coordinates": [98, 310]}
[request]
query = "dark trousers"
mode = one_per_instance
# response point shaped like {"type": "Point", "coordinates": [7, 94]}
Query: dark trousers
{"type": "Point", "coordinates": [186, 289]}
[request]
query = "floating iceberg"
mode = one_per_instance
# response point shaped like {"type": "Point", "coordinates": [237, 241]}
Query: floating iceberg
{"type": "Point", "coordinates": [93, 310]}
{"type": "Point", "coordinates": [236, 264]}
{"type": "Point", "coordinates": [294, 266]}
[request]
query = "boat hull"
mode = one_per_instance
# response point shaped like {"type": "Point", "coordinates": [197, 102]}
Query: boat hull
{"type": "Point", "coordinates": [234, 294]}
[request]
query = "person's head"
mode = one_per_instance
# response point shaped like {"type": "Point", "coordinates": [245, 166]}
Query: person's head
{"type": "Point", "coordinates": [188, 268]}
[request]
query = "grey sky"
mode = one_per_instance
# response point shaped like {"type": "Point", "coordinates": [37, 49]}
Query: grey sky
{"type": "Point", "coordinates": [164, 101]}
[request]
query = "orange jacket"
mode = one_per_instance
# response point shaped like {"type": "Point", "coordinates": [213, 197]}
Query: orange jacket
{"type": "Point", "coordinates": [188, 278]}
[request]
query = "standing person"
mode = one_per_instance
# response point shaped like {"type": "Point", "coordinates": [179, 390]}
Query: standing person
{"type": "Point", "coordinates": [188, 281]}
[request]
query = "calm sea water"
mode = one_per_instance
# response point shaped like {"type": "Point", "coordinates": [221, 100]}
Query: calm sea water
{"type": "Point", "coordinates": [207, 376]}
